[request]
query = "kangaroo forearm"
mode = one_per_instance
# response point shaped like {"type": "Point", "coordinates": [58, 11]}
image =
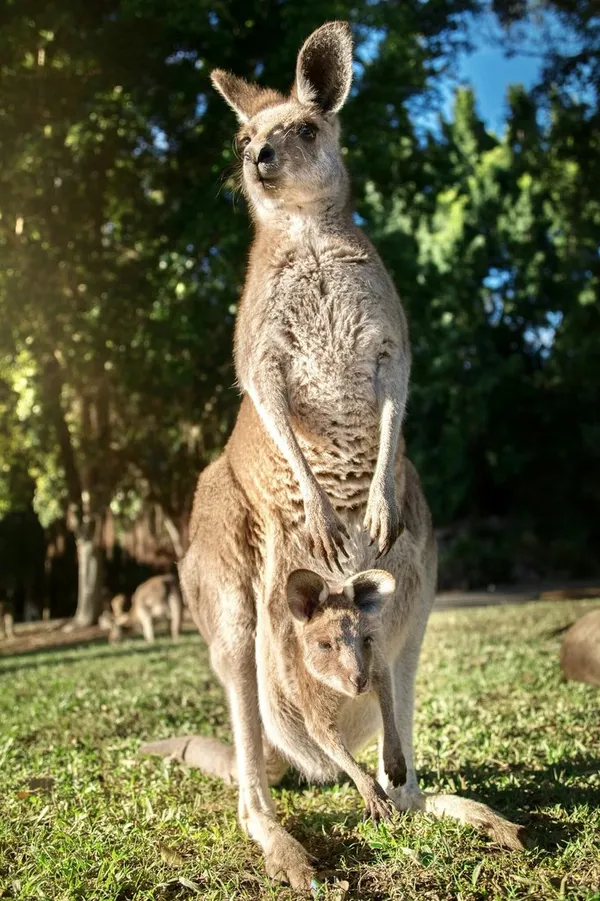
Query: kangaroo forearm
{"type": "Point", "coordinates": [392, 388]}
{"type": "Point", "coordinates": [383, 689]}
{"type": "Point", "coordinates": [389, 435]}
{"type": "Point", "coordinates": [393, 754]}
{"type": "Point", "coordinates": [331, 743]}
{"type": "Point", "coordinates": [272, 406]}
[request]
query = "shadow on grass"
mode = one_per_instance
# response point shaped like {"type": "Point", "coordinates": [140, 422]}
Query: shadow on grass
{"type": "Point", "coordinates": [59, 655]}
{"type": "Point", "coordinates": [324, 833]}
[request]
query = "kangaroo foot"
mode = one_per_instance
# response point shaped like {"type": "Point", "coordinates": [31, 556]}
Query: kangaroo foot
{"type": "Point", "coordinates": [377, 804]}
{"type": "Point", "coordinates": [287, 861]}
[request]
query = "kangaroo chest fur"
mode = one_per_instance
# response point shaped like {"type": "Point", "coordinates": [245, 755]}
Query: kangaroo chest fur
{"type": "Point", "coordinates": [328, 311]}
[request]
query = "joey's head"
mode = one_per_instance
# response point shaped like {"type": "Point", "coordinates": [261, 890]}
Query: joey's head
{"type": "Point", "coordinates": [338, 632]}
{"type": "Point", "coordinates": [289, 145]}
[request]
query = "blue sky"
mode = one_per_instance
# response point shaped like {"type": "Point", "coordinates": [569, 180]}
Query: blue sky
{"type": "Point", "coordinates": [490, 72]}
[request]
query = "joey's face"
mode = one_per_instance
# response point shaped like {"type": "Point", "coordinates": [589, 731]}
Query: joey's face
{"type": "Point", "coordinates": [337, 645]}
{"type": "Point", "coordinates": [339, 632]}
{"type": "Point", "coordinates": [289, 145]}
{"type": "Point", "coordinates": [291, 158]}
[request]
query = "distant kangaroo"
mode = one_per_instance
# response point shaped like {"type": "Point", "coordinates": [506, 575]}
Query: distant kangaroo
{"type": "Point", "coordinates": [156, 598]}
{"type": "Point", "coordinates": [314, 473]}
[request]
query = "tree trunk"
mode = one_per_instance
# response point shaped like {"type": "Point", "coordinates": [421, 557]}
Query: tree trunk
{"type": "Point", "coordinates": [174, 534]}
{"type": "Point", "coordinates": [90, 580]}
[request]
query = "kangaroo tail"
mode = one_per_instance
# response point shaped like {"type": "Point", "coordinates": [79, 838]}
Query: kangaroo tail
{"type": "Point", "coordinates": [213, 757]}
{"type": "Point", "coordinates": [473, 813]}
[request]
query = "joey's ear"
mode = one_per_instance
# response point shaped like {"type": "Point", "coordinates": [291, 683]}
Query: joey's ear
{"type": "Point", "coordinates": [305, 591]}
{"type": "Point", "coordinates": [243, 97]}
{"type": "Point", "coordinates": [324, 67]}
{"type": "Point", "coordinates": [370, 589]}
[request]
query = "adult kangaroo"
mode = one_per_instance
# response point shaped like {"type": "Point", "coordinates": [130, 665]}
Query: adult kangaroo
{"type": "Point", "coordinates": [314, 475]}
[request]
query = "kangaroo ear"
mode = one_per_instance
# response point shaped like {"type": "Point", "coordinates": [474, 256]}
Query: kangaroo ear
{"type": "Point", "coordinates": [370, 589]}
{"type": "Point", "coordinates": [324, 67]}
{"type": "Point", "coordinates": [305, 591]}
{"type": "Point", "coordinates": [244, 98]}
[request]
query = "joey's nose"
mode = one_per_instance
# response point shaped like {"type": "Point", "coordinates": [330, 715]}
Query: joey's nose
{"type": "Point", "coordinates": [266, 154]}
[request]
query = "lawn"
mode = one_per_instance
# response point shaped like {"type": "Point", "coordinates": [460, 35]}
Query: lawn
{"type": "Point", "coordinates": [82, 817]}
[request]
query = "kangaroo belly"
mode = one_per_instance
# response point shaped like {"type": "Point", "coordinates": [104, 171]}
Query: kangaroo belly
{"type": "Point", "coordinates": [343, 461]}
{"type": "Point", "coordinates": [290, 737]}
{"type": "Point", "coordinates": [159, 609]}
{"type": "Point", "coordinates": [332, 323]}
{"type": "Point", "coordinates": [336, 421]}
{"type": "Point", "coordinates": [331, 390]}
{"type": "Point", "coordinates": [360, 722]}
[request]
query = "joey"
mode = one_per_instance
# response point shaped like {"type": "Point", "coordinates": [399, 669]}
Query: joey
{"type": "Point", "coordinates": [337, 655]}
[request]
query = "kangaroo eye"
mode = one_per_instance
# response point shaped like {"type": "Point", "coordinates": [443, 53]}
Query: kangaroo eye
{"type": "Point", "coordinates": [243, 141]}
{"type": "Point", "coordinates": [368, 640]}
{"type": "Point", "coordinates": [325, 645]}
{"type": "Point", "coordinates": [306, 131]}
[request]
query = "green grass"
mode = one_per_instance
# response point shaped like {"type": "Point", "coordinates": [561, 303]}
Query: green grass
{"type": "Point", "coordinates": [494, 720]}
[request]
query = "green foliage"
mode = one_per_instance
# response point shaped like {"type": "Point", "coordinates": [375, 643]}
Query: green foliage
{"type": "Point", "coordinates": [499, 274]}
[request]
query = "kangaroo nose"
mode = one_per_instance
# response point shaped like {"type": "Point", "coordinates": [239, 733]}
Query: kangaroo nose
{"type": "Point", "coordinates": [359, 682]}
{"type": "Point", "coordinates": [266, 154]}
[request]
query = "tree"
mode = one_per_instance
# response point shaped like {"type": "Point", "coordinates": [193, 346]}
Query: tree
{"type": "Point", "coordinates": [121, 260]}
{"type": "Point", "coordinates": [500, 277]}
{"type": "Point", "coordinates": [83, 239]}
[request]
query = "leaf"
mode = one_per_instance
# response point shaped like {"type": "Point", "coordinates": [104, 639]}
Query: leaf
{"type": "Point", "coordinates": [476, 872]}
{"type": "Point", "coordinates": [171, 856]}
{"type": "Point", "coordinates": [42, 814]}
{"type": "Point", "coordinates": [187, 883]}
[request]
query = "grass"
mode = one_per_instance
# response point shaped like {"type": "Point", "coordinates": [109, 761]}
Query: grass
{"type": "Point", "coordinates": [494, 720]}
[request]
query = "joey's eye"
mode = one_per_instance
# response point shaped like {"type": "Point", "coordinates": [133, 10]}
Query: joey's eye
{"type": "Point", "coordinates": [325, 645]}
{"type": "Point", "coordinates": [243, 141]}
{"type": "Point", "coordinates": [368, 640]}
{"type": "Point", "coordinates": [307, 131]}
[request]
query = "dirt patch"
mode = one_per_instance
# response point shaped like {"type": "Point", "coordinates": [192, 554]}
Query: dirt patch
{"type": "Point", "coordinates": [37, 640]}
{"type": "Point", "coordinates": [61, 633]}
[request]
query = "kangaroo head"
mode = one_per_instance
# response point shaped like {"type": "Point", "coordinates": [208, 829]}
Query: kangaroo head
{"type": "Point", "coordinates": [118, 605]}
{"type": "Point", "coordinates": [289, 146]}
{"type": "Point", "coordinates": [338, 631]}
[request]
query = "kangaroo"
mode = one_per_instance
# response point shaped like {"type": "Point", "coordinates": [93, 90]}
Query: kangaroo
{"type": "Point", "coordinates": [314, 475]}
{"type": "Point", "coordinates": [321, 343]}
{"type": "Point", "coordinates": [334, 654]}
{"type": "Point", "coordinates": [580, 650]}
{"type": "Point", "coordinates": [157, 598]}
